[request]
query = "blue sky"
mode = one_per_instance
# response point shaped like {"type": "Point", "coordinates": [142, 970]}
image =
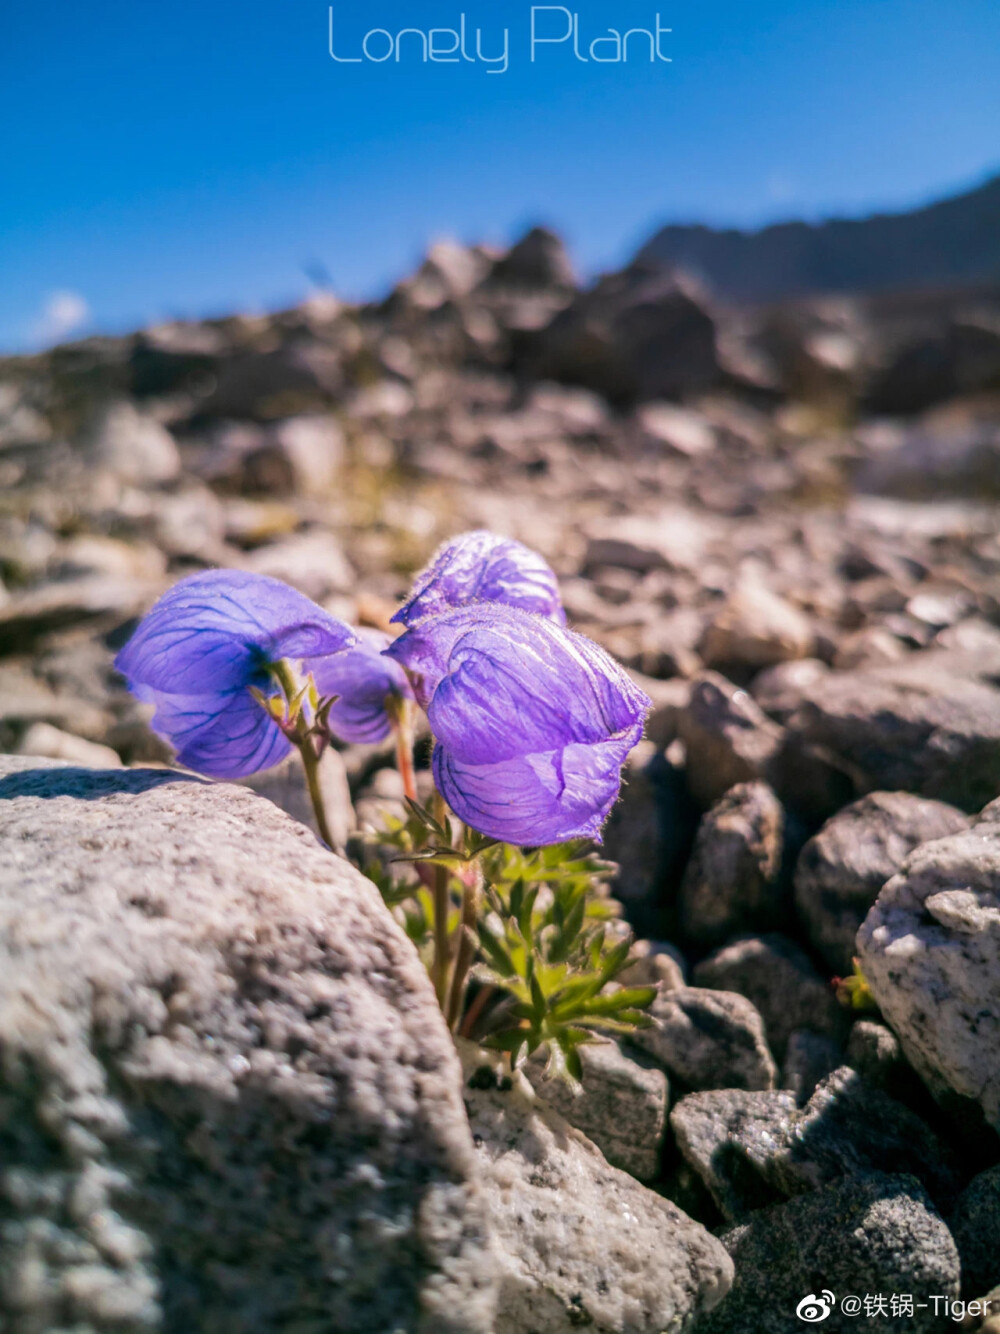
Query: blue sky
{"type": "Point", "coordinates": [194, 157]}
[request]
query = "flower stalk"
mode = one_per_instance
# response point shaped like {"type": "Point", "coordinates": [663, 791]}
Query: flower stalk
{"type": "Point", "coordinates": [468, 942]}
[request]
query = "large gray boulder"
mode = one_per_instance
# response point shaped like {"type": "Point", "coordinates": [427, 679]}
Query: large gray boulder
{"type": "Point", "coordinates": [228, 1100]}
{"type": "Point", "coordinates": [580, 1243]}
{"type": "Point", "coordinates": [930, 949]}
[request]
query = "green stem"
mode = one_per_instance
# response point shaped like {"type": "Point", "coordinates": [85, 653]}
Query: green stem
{"type": "Point", "coordinates": [442, 907]}
{"type": "Point", "coordinates": [310, 763]}
{"type": "Point", "coordinates": [471, 894]}
{"type": "Point", "coordinates": [302, 739]}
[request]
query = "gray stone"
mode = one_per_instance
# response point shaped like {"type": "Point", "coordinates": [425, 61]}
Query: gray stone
{"type": "Point", "coordinates": [632, 336]}
{"type": "Point", "coordinates": [930, 949]}
{"type": "Point", "coordinates": [49, 742]}
{"type": "Point", "coordinates": [840, 871]}
{"type": "Point", "coordinates": [728, 1136]}
{"type": "Point", "coordinates": [975, 1225]}
{"type": "Point", "coordinates": [753, 1147]}
{"type": "Point", "coordinates": [285, 785]}
{"type": "Point", "coordinates": [654, 963]}
{"type": "Point", "coordinates": [779, 689]}
{"type": "Point", "coordinates": [313, 562]}
{"type": "Point", "coordinates": [755, 628]}
{"type": "Point", "coordinates": [191, 524]}
{"type": "Point", "coordinates": [874, 1051]}
{"type": "Point", "coordinates": [28, 615]}
{"type": "Point", "coordinates": [620, 1104]}
{"type": "Point", "coordinates": [728, 738]}
{"type": "Point", "coordinates": [709, 1039]}
{"type": "Point", "coordinates": [131, 444]}
{"type": "Point", "coordinates": [809, 1058]}
{"type": "Point", "coordinates": [849, 1126]}
{"type": "Point", "coordinates": [229, 1100]}
{"type": "Point", "coordinates": [922, 726]}
{"type": "Point", "coordinates": [873, 1234]}
{"type": "Point", "coordinates": [580, 1243]}
{"type": "Point", "coordinates": [538, 259]}
{"type": "Point", "coordinates": [733, 881]}
{"type": "Point", "coordinates": [777, 976]}
{"type": "Point", "coordinates": [673, 539]}
{"type": "Point", "coordinates": [648, 836]}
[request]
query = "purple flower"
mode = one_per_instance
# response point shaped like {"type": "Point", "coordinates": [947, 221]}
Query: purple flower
{"type": "Point", "coordinates": [481, 567]}
{"type": "Point", "coordinates": [532, 722]}
{"type": "Point", "coordinates": [201, 648]}
{"type": "Point", "coordinates": [364, 680]}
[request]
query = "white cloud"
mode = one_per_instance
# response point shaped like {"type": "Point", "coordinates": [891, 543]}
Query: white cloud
{"type": "Point", "coordinates": [61, 314]}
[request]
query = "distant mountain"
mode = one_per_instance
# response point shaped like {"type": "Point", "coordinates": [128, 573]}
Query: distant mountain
{"type": "Point", "coordinates": [953, 243]}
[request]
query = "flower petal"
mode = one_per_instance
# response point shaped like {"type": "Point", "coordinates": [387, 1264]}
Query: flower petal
{"type": "Point", "coordinates": [217, 630]}
{"type": "Point", "coordinates": [481, 567]}
{"type": "Point", "coordinates": [540, 798]}
{"type": "Point", "coordinates": [362, 677]}
{"type": "Point", "coordinates": [221, 735]}
{"type": "Point", "coordinates": [497, 682]}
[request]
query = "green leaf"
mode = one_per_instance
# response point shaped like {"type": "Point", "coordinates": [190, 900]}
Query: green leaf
{"type": "Point", "coordinates": [499, 957]}
{"type": "Point", "coordinates": [628, 998]}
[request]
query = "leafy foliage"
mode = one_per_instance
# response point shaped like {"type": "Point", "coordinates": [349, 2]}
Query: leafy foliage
{"type": "Point", "coordinates": [545, 936]}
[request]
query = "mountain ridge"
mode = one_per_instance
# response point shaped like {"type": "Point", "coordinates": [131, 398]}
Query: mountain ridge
{"type": "Point", "coordinates": [952, 242]}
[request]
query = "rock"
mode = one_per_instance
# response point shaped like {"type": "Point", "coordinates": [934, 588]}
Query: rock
{"type": "Point", "coordinates": [285, 785]}
{"type": "Point", "coordinates": [751, 1148]}
{"type": "Point", "coordinates": [621, 1105]}
{"type": "Point", "coordinates": [220, 1052]}
{"type": "Point", "coordinates": [867, 648]}
{"type": "Point", "coordinates": [45, 740]}
{"type": "Point", "coordinates": [773, 973]}
{"type": "Point", "coordinates": [649, 837]}
{"type": "Point", "coordinates": [870, 1235]}
{"type": "Point", "coordinates": [313, 562]}
{"type": "Point", "coordinates": [930, 949]}
{"type": "Point", "coordinates": [633, 336]}
{"type": "Point", "coordinates": [975, 1225]}
{"type": "Point", "coordinates": [580, 1243]}
{"type": "Point", "coordinates": [449, 272]}
{"type": "Point", "coordinates": [727, 1137]}
{"type": "Point", "coordinates": [809, 1058]}
{"type": "Point", "coordinates": [755, 628]}
{"type": "Point", "coordinates": [849, 1126]}
{"type": "Point", "coordinates": [874, 1051]}
{"type": "Point", "coordinates": [915, 726]}
{"type": "Point", "coordinates": [37, 611]}
{"type": "Point", "coordinates": [733, 881]}
{"type": "Point", "coordinates": [539, 259]}
{"type": "Point", "coordinates": [840, 871]}
{"type": "Point", "coordinates": [984, 1314]}
{"type": "Point", "coordinates": [132, 445]}
{"type": "Point", "coordinates": [88, 554]}
{"type": "Point", "coordinates": [663, 427]}
{"type": "Point", "coordinates": [302, 455]}
{"type": "Point", "coordinates": [654, 964]}
{"type": "Point", "coordinates": [191, 524]}
{"type": "Point", "coordinates": [728, 738]}
{"type": "Point", "coordinates": [779, 689]}
{"type": "Point", "coordinates": [708, 1040]}
{"type": "Point", "coordinates": [25, 699]}
{"type": "Point", "coordinates": [673, 539]}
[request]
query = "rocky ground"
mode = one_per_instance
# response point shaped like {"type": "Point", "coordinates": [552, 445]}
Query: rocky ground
{"type": "Point", "coordinates": [784, 520]}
